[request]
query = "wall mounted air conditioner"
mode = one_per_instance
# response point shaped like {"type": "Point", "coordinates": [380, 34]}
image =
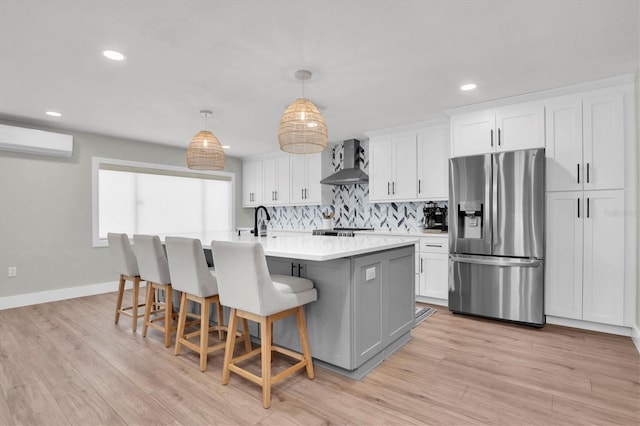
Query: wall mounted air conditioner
{"type": "Point", "coordinates": [19, 139]}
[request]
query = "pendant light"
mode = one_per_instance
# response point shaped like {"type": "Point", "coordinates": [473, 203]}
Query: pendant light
{"type": "Point", "coordinates": [302, 128]}
{"type": "Point", "coordinates": [205, 151]}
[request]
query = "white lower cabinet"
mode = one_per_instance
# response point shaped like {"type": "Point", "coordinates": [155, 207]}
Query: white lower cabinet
{"type": "Point", "coordinates": [584, 258]}
{"type": "Point", "coordinates": [433, 270]}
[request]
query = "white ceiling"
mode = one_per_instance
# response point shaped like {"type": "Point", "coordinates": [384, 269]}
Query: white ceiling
{"type": "Point", "coordinates": [375, 64]}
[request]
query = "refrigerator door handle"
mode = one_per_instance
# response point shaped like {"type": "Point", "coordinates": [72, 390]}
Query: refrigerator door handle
{"type": "Point", "coordinates": [495, 235]}
{"type": "Point", "coordinates": [497, 261]}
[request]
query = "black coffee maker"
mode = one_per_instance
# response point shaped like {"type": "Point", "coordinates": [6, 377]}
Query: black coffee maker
{"type": "Point", "coordinates": [435, 217]}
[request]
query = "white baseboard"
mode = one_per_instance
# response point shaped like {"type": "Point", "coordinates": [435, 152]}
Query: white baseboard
{"type": "Point", "coordinates": [432, 300]}
{"type": "Point", "coordinates": [635, 336]}
{"type": "Point", "coordinates": [8, 302]}
{"type": "Point", "coordinates": [587, 325]}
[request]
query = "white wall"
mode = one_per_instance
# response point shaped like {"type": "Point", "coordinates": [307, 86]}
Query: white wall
{"type": "Point", "coordinates": [45, 212]}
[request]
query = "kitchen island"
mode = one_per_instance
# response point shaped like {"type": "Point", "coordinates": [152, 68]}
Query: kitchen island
{"type": "Point", "coordinates": [366, 297]}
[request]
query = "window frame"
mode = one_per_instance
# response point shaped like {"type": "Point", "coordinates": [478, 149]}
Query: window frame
{"type": "Point", "coordinates": [96, 162]}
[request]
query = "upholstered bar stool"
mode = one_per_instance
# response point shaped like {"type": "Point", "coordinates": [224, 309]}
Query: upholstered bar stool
{"type": "Point", "coordinates": [154, 269]}
{"type": "Point", "coordinates": [127, 266]}
{"type": "Point", "coordinates": [246, 287]}
{"type": "Point", "coordinates": [197, 282]}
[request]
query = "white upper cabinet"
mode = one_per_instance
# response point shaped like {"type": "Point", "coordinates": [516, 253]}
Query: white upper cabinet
{"type": "Point", "coordinates": [251, 183]}
{"type": "Point", "coordinates": [306, 174]}
{"type": "Point", "coordinates": [585, 142]}
{"type": "Point", "coordinates": [509, 128]}
{"type": "Point", "coordinates": [603, 141]}
{"type": "Point", "coordinates": [393, 168]}
{"type": "Point", "coordinates": [275, 175]}
{"type": "Point", "coordinates": [433, 163]}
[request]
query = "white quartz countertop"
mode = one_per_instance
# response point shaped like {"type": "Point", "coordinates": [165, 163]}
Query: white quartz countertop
{"type": "Point", "coordinates": [311, 247]}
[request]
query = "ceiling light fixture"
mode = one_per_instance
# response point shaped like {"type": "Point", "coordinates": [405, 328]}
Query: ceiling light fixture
{"type": "Point", "coordinates": [205, 151]}
{"type": "Point", "coordinates": [54, 114]}
{"type": "Point", "coordinates": [467, 87]}
{"type": "Point", "coordinates": [113, 55]}
{"type": "Point", "coordinates": [302, 128]}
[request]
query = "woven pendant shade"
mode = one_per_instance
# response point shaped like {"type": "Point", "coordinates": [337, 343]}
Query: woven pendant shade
{"type": "Point", "coordinates": [302, 128]}
{"type": "Point", "coordinates": [205, 152]}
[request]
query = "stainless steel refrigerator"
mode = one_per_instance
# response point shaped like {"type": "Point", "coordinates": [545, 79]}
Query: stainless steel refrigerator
{"type": "Point", "coordinates": [496, 235]}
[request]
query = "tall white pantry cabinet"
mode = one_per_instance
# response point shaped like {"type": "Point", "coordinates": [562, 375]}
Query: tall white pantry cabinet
{"type": "Point", "coordinates": [590, 149]}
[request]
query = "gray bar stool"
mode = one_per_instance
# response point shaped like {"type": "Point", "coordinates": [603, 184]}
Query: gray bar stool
{"type": "Point", "coordinates": [154, 269]}
{"type": "Point", "coordinates": [197, 282]}
{"type": "Point", "coordinates": [246, 287]}
{"type": "Point", "coordinates": [127, 266]}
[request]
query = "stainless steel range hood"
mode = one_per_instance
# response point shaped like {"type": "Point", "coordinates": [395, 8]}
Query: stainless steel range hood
{"type": "Point", "coordinates": [351, 173]}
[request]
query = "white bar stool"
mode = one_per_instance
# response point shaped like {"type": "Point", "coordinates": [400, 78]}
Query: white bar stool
{"type": "Point", "coordinates": [197, 282]}
{"type": "Point", "coordinates": [252, 294]}
{"type": "Point", "coordinates": [154, 269]}
{"type": "Point", "coordinates": [127, 266]}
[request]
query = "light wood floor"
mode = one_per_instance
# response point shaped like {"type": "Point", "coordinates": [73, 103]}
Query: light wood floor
{"type": "Point", "coordinates": [67, 363]}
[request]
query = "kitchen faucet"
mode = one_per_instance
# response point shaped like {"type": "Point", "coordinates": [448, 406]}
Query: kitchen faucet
{"type": "Point", "coordinates": [255, 219]}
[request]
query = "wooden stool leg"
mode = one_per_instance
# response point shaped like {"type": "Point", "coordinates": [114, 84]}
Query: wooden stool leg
{"type": "Point", "coordinates": [220, 315]}
{"type": "Point", "coordinates": [182, 319]}
{"type": "Point", "coordinates": [147, 309]}
{"type": "Point", "coordinates": [134, 305]}
{"type": "Point", "coordinates": [304, 341]}
{"type": "Point", "coordinates": [247, 337]}
{"type": "Point", "coordinates": [120, 295]}
{"type": "Point", "coordinates": [265, 334]}
{"type": "Point", "coordinates": [204, 332]}
{"type": "Point", "coordinates": [231, 342]}
{"type": "Point", "coordinates": [168, 314]}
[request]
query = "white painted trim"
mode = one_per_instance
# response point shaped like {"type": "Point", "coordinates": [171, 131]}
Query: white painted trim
{"type": "Point", "coordinates": [432, 301]}
{"type": "Point", "coordinates": [635, 336]}
{"type": "Point", "coordinates": [19, 300]}
{"type": "Point", "coordinates": [623, 80]}
{"type": "Point", "coordinates": [413, 127]}
{"type": "Point", "coordinates": [587, 325]}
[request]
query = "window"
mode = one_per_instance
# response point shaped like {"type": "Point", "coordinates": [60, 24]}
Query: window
{"type": "Point", "coordinates": [141, 198]}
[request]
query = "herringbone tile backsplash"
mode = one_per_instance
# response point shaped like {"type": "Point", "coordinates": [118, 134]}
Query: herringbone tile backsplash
{"type": "Point", "coordinates": [351, 206]}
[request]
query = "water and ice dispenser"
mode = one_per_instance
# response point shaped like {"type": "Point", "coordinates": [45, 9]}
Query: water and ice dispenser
{"type": "Point", "coordinates": [470, 216]}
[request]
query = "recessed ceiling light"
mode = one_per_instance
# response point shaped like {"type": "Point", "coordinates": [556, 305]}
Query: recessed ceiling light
{"type": "Point", "coordinates": [469, 86]}
{"type": "Point", "coordinates": [54, 114]}
{"type": "Point", "coordinates": [113, 55]}
{"type": "Point", "coordinates": [226, 146]}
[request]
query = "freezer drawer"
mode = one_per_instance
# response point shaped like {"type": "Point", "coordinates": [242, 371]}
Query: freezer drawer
{"type": "Point", "coordinates": [503, 288]}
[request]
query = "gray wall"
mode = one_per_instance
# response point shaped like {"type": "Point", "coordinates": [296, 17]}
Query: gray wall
{"type": "Point", "coordinates": [636, 208]}
{"type": "Point", "coordinates": [45, 211]}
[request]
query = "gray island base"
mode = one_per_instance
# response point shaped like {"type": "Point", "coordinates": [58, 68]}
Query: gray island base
{"type": "Point", "coordinates": [364, 312]}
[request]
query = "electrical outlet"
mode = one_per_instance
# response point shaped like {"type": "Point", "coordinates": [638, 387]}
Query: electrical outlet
{"type": "Point", "coordinates": [370, 273]}
{"type": "Point", "coordinates": [13, 271]}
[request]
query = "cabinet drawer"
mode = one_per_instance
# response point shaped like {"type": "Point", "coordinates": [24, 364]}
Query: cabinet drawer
{"type": "Point", "coordinates": [434, 245]}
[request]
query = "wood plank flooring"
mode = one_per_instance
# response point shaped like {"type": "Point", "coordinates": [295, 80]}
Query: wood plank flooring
{"type": "Point", "coordinates": [67, 363]}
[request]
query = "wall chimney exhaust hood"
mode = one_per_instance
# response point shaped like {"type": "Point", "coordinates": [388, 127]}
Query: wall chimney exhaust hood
{"type": "Point", "coordinates": [350, 173]}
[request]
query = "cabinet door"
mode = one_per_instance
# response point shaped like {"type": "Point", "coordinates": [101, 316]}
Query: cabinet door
{"type": "Point", "coordinates": [283, 181]}
{"type": "Point", "coordinates": [564, 144]}
{"type": "Point", "coordinates": [434, 275]}
{"type": "Point", "coordinates": [603, 141]}
{"type": "Point", "coordinates": [404, 168]}
{"type": "Point", "coordinates": [604, 257]}
{"type": "Point", "coordinates": [520, 127]}
{"type": "Point", "coordinates": [298, 178]}
{"type": "Point", "coordinates": [433, 164]}
{"type": "Point", "coordinates": [472, 133]}
{"type": "Point", "coordinates": [313, 195]}
{"type": "Point", "coordinates": [269, 181]}
{"type": "Point", "coordinates": [563, 256]}
{"type": "Point", "coordinates": [251, 184]}
{"type": "Point", "coordinates": [380, 170]}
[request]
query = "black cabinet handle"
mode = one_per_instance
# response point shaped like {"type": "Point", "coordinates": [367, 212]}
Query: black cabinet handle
{"type": "Point", "coordinates": [587, 172]}
{"type": "Point", "coordinates": [491, 138]}
{"type": "Point", "coordinates": [578, 207]}
{"type": "Point", "coordinates": [393, 187]}
{"type": "Point", "coordinates": [499, 142]}
{"type": "Point", "coordinates": [293, 265]}
{"type": "Point", "coordinates": [300, 267]}
{"type": "Point", "coordinates": [587, 206]}
{"type": "Point", "coordinates": [388, 188]}
{"type": "Point", "coordinates": [421, 268]}
{"type": "Point", "coordinates": [578, 166]}
{"type": "Point", "coordinates": [419, 190]}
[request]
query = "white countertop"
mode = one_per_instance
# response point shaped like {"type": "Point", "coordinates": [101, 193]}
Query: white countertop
{"type": "Point", "coordinates": [312, 247]}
